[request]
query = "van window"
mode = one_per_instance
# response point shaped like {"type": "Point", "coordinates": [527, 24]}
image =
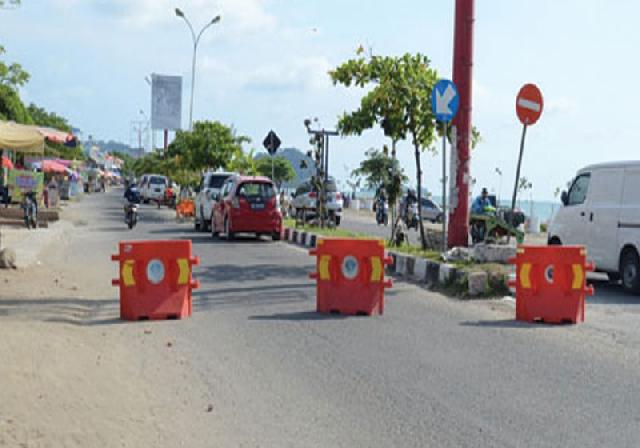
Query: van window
{"type": "Point", "coordinates": [216, 180]}
{"type": "Point", "coordinates": [631, 188]}
{"type": "Point", "coordinates": [304, 188]}
{"type": "Point", "coordinates": [579, 189]}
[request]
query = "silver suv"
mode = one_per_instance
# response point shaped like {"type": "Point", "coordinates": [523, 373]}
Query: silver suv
{"type": "Point", "coordinates": [210, 185]}
{"type": "Point", "coordinates": [305, 196]}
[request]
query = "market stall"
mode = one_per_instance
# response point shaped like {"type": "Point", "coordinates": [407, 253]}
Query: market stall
{"type": "Point", "coordinates": [16, 140]}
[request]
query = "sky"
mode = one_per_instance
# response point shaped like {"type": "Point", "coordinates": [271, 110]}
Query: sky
{"type": "Point", "coordinates": [264, 66]}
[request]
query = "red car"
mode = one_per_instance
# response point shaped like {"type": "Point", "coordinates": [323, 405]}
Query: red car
{"type": "Point", "coordinates": [247, 205]}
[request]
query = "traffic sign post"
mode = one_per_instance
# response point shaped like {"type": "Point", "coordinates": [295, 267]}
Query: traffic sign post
{"type": "Point", "coordinates": [445, 102]}
{"type": "Point", "coordinates": [529, 105]}
{"type": "Point", "coordinates": [271, 143]}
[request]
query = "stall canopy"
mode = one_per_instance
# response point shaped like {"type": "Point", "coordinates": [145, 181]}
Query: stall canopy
{"type": "Point", "coordinates": [54, 135]}
{"type": "Point", "coordinates": [50, 166]}
{"type": "Point", "coordinates": [20, 138]}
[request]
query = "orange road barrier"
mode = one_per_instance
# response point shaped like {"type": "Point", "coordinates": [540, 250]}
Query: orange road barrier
{"type": "Point", "coordinates": [155, 279]}
{"type": "Point", "coordinates": [185, 208]}
{"type": "Point", "coordinates": [551, 283]}
{"type": "Point", "coordinates": [350, 276]}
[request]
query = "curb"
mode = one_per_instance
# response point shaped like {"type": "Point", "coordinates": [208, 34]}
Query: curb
{"type": "Point", "coordinates": [430, 273]}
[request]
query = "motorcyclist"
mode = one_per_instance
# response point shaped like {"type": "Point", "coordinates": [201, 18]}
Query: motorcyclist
{"type": "Point", "coordinates": [481, 205]}
{"type": "Point", "coordinates": [409, 199]}
{"type": "Point", "coordinates": [132, 194]}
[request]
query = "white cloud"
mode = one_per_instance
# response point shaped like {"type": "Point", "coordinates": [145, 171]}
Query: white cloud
{"type": "Point", "coordinates": [238, 16]}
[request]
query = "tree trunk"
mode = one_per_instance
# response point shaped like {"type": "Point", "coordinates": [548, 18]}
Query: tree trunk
{"type": "Point", "coordinates": [423, 241]}
{"type": "Point", "coordinates": [394, 222]}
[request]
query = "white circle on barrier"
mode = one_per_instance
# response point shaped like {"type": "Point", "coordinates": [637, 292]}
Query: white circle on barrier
{"type": "Point", "coordinates": [350, 267]}
{"type": "Point", "coordinates": [548, 274]}
{"type": "Point", "coordinates": [155, 271]}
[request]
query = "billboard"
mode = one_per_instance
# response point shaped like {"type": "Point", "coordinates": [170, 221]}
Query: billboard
{"type": "Point", "coordinates": [166, 102]}
{"type": "Point", "coordinates": [24, 181]}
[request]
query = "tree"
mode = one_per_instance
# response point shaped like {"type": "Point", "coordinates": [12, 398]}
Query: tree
{"type": "Point", "coordinates": [12, 75]}
{"type": "Point", "coordinates": [210, 145]}
{"type": "Point", "coordinates": [43, 118]}
{"type": "Point", "coordinates": [243, 163]}
{"type": "Point", "coordinates": [8, 4]}
{"type": "Point", "coordinates": [400, 102]}
{"type": "Point", "coordinates": [282, 170]}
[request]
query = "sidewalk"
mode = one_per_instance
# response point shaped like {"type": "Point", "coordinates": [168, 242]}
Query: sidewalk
{"type": "Point", "coordinates": [29, 244]}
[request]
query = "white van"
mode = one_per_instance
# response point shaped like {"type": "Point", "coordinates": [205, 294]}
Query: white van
{"type": "Point", "coordinates": [601, 210]}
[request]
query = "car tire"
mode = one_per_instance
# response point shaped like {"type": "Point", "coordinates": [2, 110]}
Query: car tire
{"type": "Point", "coordinates": [227, 230]}
{"type": "Point", "coordinates": [555, 241]}
{"type": "Point", "coordinates": [196, 223]}
{"type": "Point", "coordinates": [338, 218]}
{"type": "Point", "coordinates": [630, 271]}
{"type": "Point", "coordinates": [276, 236]}
{"type": "Point", "coordinates": [214, 234]}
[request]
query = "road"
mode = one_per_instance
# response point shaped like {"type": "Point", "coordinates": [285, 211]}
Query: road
{"type": "Point", "coordinates": [255, 366]}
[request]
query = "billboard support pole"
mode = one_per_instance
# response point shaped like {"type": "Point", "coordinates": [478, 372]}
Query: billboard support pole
{"type": "Point", "coordinates": [166, 141]}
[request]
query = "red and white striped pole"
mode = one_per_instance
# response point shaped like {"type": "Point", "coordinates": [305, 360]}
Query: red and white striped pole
{"type": "Point", "coordinates": [462, 77]}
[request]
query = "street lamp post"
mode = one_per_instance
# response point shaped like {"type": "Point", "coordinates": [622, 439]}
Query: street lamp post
{"type": "Point", "coordinates": [196, 40]}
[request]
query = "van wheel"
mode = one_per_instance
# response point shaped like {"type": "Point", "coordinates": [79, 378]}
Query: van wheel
{"type": "Point", "coordinates": [196, 224]}
{"type": "Point", "coordinates": [227, 230]}
{"type": "Point", "coordinates": [630, 271]}
{"type": "Point", "coordinates": [555, 241]}
{"type": "Point", "coordinates": [614, 277]}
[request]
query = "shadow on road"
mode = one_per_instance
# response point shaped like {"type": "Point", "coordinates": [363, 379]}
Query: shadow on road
{"type": "Point", "coordinates": [510, 323]}
{"type": "Point", "coordinates": [247, 273]}
{"type": "Point", "coordinates": [82, 312]}
{"type": "Point", "coordinates": [301, 316]}
{"type": "Point", "coordinates": [251, 296]}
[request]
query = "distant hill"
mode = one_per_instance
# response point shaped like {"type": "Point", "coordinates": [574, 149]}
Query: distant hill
{"type": "Point", "coordinates": [295, 156]}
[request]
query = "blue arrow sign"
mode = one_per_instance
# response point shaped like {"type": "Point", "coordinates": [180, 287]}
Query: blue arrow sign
{"type": "Point", "coordinates": [445, 100]}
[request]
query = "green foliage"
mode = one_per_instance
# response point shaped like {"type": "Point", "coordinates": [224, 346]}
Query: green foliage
{"type": "Point", "coordinates": [11, 107]}
{"type": "Point", "coordinates": [6, 4]}
{"type": "Point", "coordinates": [243, 163]}
{"type": "Point", "coordinates": [43, 118]}
{"type": "Point", "coordinates": [399, 101]}
{"type": "Point", "coordinates": [378, 169]}
{"type": "Point", "coordinates": [64, 152]}
{"type": "Point", "coordinates": [211, 145]}
{"type": "Point", "coordinates": [524, 184]}
{"type": "Point", "coordinates": [282, 170]}
{"type": "Point", "coordinates": [12, 75]}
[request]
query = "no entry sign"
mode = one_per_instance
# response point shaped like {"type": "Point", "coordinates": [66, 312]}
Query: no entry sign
{"type": "Point", "coordinates": [529, 104]}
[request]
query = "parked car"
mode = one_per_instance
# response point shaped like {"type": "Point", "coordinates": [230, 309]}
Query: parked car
{"type": "Point", "coordinates": [210, 185]}
{"type": "Point", "coordinates": [305, 196]}
{"type": "Point", "coordinates": [153, 188]}
{"type": "Point", "coordinates": [247, 205]}
{"type": "Point", "coordinates": [431, 211]}
{"type": "Point", "coordinates": [601, 210]}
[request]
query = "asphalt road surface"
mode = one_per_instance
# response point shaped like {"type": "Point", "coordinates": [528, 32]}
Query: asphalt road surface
{"type": "Point", "coordinates": [431, 372]}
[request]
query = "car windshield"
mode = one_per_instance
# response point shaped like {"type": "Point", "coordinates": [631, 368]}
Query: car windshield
{"type": "Point", "coordinates": [217, 180]}
{"type": "Point", "coordinates": [330, 186]}
{"type": "Point", "coordinates": [156, 180]}
{"type": "Point", "coordinates": [251, 190]}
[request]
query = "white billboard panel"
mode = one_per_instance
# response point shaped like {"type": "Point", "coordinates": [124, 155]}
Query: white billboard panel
{"type": "Point", "coordinates": [166, 102]}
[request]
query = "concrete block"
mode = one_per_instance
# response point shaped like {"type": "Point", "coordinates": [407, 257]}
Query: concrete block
{"type": "Point", "coordinates": [478, 283]}
{"type": "Point", "coordinates": [420, 270]}
{"type": "Point", "coordinates": [401, 261]}
{"type": "Point", "coordinates": [409, 266]}
{"type": "Point", "coordinates": [433, 273]}
{"type": "Point", "coordinates": [293, 235]}
{"type": "Point", "coordinates": [447, 273]}
{"type": "Point", "coordinates": [311, 240]}
{"type": "Point", "coordinates": [285, 235]}
{"type": "Point", "coordinates": [302, 236]}
{"type": "Point", "coordinates": [492, 253]}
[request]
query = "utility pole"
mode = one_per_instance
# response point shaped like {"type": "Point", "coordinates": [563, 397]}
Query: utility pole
{"type": "Point", "coordinates": [460, 157]}
{"type": "Point", "coordinates": [196, 41]}
{"type": "Point", "coordinates": [321, 138]}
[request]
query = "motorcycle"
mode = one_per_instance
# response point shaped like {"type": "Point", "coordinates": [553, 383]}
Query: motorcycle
{"type": "Point", "coordinates": [411, 216]}
{"type": "Point", "coordinates": [30, 208]}
{"type": "Point", "coordinates": [131, 214]}
{"type": "Point", "coordinates": [382, 212]}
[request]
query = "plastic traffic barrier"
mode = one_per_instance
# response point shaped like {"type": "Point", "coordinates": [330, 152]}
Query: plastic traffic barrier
{"type": "Point", "coordinates": [551, 283]}
{"type": "Point", "coordinates": [155, 279]}
{"type": "Point", "coordinates": [185, 208]}
{"type": "Point", "coordinates": [350, 276]}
